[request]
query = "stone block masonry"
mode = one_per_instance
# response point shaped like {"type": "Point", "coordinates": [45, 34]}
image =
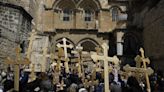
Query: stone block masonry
{"type": "Point", "coordinates": [15, 24]}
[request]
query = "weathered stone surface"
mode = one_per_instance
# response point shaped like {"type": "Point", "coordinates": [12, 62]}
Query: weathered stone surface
{"type": "Point", "coordinates": [15, 23]}
{"type": "Point", "coordinates": [150, 19]}
{"type": "Point", "coordinates": [48, 18]}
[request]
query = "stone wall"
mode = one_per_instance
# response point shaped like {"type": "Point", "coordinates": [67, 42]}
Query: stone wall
{"type": "Point", "coordinates": [154, 34]}
{"type": "Point", "coordinates": [15, 23]}
{"type": "Point", "coordinates": [149, 19]}
{"type": "Point", "coordinates": [52, 16]}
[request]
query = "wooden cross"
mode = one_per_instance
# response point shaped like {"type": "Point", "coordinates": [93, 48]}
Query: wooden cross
{"type": "Point", "coordinates": [98, 50]}
{"type": "Point", "coordinates": [31, 39]}
{"type": "Point", "coordinates": [144, 61]}
{"type": "Point", "coordinates": [79, 52]}
{"type": "Point", "coordinates": [45, 49]}
{"type": "Point", "coordinates": [45, 55]}
{"type": "Point", "coordinates": [139, 61]}
{"type": "Point", "coordinates": [32, 75]}
{"type": "Point", "coordinates": [86, 83]}
{"type": "Point", "coordinates": [56, 75]}
{"type": "Point", "coordinates": [128, 68]}
{"type": "Point", "coordinates": [78, 65]}
{"type": "Point", "coordinates": [60, 54]}
{"type": "Point", "coordinates": [61, 85]}
{"type": "Point", "coordinates": [65, 46]}
{"type": "Point", "coordinates": [16, 64]}
{"type": "Point", "coordinates": [138, 72]}
{"type": "Point", "coordinates": [106, 59]}
{"type": "Point", "coordinates": [96, 67]}
{"type": "Point", "coordinates": [110, 69]}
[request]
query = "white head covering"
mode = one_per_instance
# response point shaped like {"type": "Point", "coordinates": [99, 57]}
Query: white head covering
{"type": "Point", "coordinates": [82, 90]}
{"type": "Point", "coordinates": [3, 74]}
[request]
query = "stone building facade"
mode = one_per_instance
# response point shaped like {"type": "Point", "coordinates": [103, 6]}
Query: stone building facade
{"type": "Point", "coordinates": [86, 23]}
{"type": "Point", "coordinates": [15, 24]}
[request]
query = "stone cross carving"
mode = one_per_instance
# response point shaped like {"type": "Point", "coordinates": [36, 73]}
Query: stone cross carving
{"type": "Point", "coordinates": [65, 46]}
{"type": "Point", "coordinates": [16, 64]}
{"type": "Point", "coordinates": [106, 59]}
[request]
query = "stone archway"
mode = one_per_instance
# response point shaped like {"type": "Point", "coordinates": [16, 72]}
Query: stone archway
{"type": "Point", "coordinates": [63, 4]}
{"type": "Point", "coordinates": [89, 3]}
{"type": "Point", "coordinates": [88, 44]}
{"type": "Point", "coordinates": [130, 48]}
{"type": "Point", "coordinates": [131, 44]}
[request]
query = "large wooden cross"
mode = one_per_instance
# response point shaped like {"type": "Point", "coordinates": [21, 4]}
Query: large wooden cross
{"type": "Point", "coordinates": [96, 66]}
{"type": "Point", "coordinates": [65, 46]}
{"type": "Point", "coordinates": [145, 61]}
{"type": "Point", "coordinates": [106, 59]}
{"type": "Point", "coordinates": [31, 39]}
{"type": "Point", "coordinates": [32, 75]}
{"type": "Point", "coordinates": [140, 71]}
{"type": "Point", "coordinates": [128, 68]}
{"type": "Point", "coordinates": [45, 56]}
{"type": "Point", "coordinates": [16, 64]}
{"type": "Point", "coordinates": [79, 52]}
{"type": "Point", "coordinates": [60, 54]}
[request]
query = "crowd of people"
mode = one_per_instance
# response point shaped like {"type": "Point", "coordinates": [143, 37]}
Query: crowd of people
{"type": "Point", "coordinates": [73, 83]}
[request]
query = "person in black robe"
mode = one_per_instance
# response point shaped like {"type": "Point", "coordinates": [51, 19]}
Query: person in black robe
{"type": "Point", "coordinates": [133, 85]}
{"type": "Point", "coordinates": [9, 82]}
{"type": "Point", "coordinates": [160, 81]}
{"type": "Point", "coordinates": [23, 82]}
{"type": "Point", "coordinates": [30, 87]}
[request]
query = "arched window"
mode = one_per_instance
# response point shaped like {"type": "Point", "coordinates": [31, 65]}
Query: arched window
{"type": "Point", "coordinates": [88, 15]}
{"type": "Point", "coordinates": [66, 14]}
{"type": "Point", "coordinates": [114, 12]}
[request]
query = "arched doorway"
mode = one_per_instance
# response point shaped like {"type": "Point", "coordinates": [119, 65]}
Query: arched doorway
{"type": "Point", "coordinates": [88, 44]}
